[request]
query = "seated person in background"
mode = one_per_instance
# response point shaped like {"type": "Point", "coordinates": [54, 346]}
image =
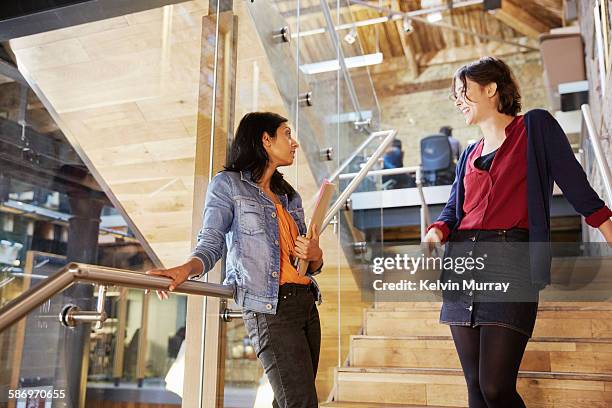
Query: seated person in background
{"type": "Point", "coordinates": [394, 159]}
{"type": "Point", "coordinates": [455, 144]}
{"type": "Point", "coordinates": [394, 156]}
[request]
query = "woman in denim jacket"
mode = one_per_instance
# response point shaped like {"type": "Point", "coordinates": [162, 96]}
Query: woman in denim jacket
{"type": "Point", "coordinates": [252, 210]}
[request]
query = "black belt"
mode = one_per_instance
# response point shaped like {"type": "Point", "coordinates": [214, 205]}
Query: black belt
{"type": "Point", "coordinates": [293, 289]}
{"type": "Point", "coordinates": [478, 235]}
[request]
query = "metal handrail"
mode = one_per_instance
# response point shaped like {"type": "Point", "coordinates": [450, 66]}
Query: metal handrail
{"type": "Point", "coordinates": [403, 170]}
{"type": "Point", "coordinates": [352, 186]}
{"type": "Point", "coordinates": [600, 157]}
{"type": "Point", "coordinates": [385, 172]}
{"type": "Point", "coordinates": [352, 156]}
{"type": "Point", "coordinates": [78, 272]}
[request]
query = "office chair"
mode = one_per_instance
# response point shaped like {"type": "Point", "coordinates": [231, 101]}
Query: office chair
{"type": "Point", "coordinates": [437, 166]}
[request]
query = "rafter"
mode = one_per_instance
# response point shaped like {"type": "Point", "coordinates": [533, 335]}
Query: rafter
{"type": "Point", "coordinates": [409, 53]}
{"type": "Point", "coordinates": [520, 20]}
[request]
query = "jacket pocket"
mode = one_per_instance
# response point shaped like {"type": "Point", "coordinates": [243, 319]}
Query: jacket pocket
{"type": "Point", "coordinates": [251, 217]}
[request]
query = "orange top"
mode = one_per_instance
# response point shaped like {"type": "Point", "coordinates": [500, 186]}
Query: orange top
{"type": "Point", "coordinates": [288, 231]}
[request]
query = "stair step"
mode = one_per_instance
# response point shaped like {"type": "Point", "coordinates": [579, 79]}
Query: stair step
{"type": "Point", "coordinates": [348, 404]}
{"type": "Point", "coordinates": [446, 387]}
{"type": "Point", "coordinates": [542, 354]}
{"type": "Point", "coordinates": [551, 323]}
{"type": "Point", "coordinates": [547, 306]}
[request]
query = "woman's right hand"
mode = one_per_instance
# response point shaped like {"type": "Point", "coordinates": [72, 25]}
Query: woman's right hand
{"type": "Point", "coordinates": [178, 274]}
{"type": "Point", "coordinates": [433, 238]}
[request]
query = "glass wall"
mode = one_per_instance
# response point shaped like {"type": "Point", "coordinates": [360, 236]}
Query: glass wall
{"type": "Point", "coordinates": [294, 68]}
{"type": "Point", "coordinates": [54, 211]}
{"type": "Point", "coordinates": [147, 102]}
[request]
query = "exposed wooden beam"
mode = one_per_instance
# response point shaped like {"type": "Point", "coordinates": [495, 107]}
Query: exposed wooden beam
{"type": "Point", "coordinates": [411, 60]}
{"type": "Point", "coordinates": [520, 20]}
{"type": "Point", "coordinates": [393, 77]}
{"type": "Point", "coordinates": [385, 87]}
{"type": "Point", "coordinates": [471, 53]}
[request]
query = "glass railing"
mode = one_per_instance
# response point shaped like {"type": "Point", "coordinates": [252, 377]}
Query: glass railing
{"type": "Point", "coordinates": [125, 359]}
{"type": "Point", "coordinates": [197, 70]}
{"type": "Point", "coordinates": [37, 365]}
{"type": "Point", "coordinates": [141, 352]}
{"type": "Point", "coordinates": [332, 104]}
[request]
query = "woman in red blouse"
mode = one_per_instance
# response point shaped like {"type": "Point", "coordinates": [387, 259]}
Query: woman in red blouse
{"type": "Point", "coordinates": [499, 204]}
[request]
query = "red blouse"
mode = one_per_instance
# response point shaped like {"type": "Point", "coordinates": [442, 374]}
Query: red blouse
{"type": "Point", "coordinates": [497, 199]}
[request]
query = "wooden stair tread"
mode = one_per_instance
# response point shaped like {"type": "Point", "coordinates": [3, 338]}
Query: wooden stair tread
{"type": "Point", "coordinates": [446, 387]}
{"type": "Point", "coordinates": [459, 372]}
{"type": "Point", "coordinates": [450, 338]}
{"type": "Point", "coordinates": [542, 355]}
{"type": "Point", "coordinates": [584, 323]}
{"type": "Point", "coordinates": [557, 307]}
{"type": "Point", "coordinates": [349, 404]}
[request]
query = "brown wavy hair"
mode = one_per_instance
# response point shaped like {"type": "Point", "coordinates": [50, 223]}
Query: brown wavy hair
{"type": "Point", "coordinates": [491, 70]}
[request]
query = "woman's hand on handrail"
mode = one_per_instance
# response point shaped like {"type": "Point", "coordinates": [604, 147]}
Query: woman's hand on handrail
{"type": "Point", "coordinates": [178, 274]}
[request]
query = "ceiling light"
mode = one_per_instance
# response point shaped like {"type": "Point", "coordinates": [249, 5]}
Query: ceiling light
{"type": "Point", "coordinates": [407, 25]}
{"type": "Point", "coordinates": [334, 65]}
{"type": "Point", "coordinates": [434, 17]}
{"type": "Point", "coordinates": [351, 36]}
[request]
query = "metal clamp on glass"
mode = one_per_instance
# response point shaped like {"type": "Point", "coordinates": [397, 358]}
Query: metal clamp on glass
{"type": "Point", "coordinates": [362, 124]}
{"type": "Point", "coordinates": [284, 34]}
{"type": "Point", "coordinates": [71, 315]}
{"type": "Point", "coordinates": [326, 154]}
{"type": "Point", "coordinates": [305, 99]}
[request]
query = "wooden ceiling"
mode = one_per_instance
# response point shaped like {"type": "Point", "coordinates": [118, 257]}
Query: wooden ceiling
{"type": "Point", "coordinates": [516, 21]}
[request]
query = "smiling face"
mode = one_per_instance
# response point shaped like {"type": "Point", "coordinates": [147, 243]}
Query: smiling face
{"type": "Point", "coordinates": [476, 102]}
{"type": "Point", "coordinates": [280, 148]}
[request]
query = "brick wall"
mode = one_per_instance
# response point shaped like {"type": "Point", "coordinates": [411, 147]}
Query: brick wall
{"type": "Point", "coordinates": [420, 113]}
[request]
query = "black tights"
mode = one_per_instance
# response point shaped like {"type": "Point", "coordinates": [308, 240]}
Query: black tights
{"type": "Point", "coordinates": [490, 357]}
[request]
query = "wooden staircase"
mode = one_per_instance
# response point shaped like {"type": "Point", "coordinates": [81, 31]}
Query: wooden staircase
{"type": "Point", "coordinates": [405, 358]}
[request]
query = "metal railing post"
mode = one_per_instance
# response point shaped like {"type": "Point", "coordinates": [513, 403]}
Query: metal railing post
{"type": "Point", "coordinates": [424, 212]}
{"type": "Point", "coordinates": [359, 177]}
{"type": "Point", "coordinates": [600, 157]}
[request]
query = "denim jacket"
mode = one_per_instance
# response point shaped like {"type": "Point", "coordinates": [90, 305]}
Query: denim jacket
{"type": "Point", "coordinates": [238, 213]}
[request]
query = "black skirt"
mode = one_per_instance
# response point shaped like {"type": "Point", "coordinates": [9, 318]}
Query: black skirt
{"type": "Point", "coordinates": [497, 290]}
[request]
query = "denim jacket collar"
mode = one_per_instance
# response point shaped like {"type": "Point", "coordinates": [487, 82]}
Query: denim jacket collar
{"type": "Point", "coordinates": [245, 175]}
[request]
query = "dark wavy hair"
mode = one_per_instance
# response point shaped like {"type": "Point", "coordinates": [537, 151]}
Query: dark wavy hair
{"type": "Point", "coordinates": [248, 154]}
{"type": "Point", "coordinates": [488, 70]}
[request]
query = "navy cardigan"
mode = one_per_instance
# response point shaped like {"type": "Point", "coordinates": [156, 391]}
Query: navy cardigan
{"type": "Point", "coordinates": [549, 159]}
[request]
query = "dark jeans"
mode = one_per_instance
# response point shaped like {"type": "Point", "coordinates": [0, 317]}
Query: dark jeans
{"type": "Point", "coordinates": [287, 344]}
